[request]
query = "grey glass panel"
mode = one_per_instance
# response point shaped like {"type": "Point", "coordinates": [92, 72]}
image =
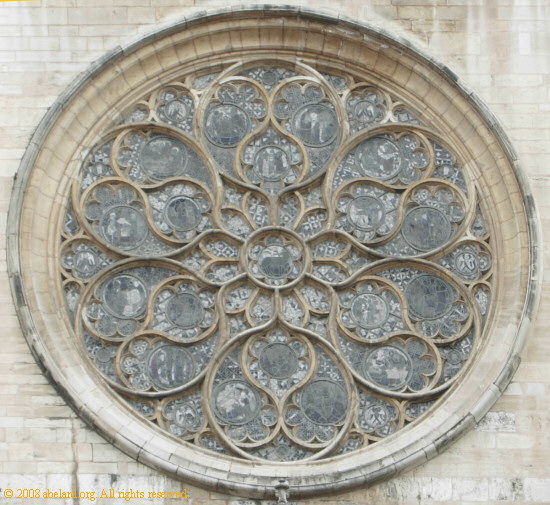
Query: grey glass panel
{"type": "Point", "coordinates": [278, 360]}
{"type": "Point", "coordinates": [235, 402]}
{"type": "Point", "coordinates": [366, 213]}
{"type": "Point", "coordinates": [377, 415]}
{"type": "Point", "coordinates": [71, 225]}
{"type": "Point", "coordinates": [125, 296]}
{"type": "Point", "coordinates": [388, 367]}
{"type": "Point", "coordinates": [97, 166]}
{"type": "Point", "coordinates": [426, 228]}
{"type": "Point", "coordinates": [85, 263]}
{"type": "Point", "coordinates": [339, 83]}
{"type": "Point", "coordinates": [276, 262]}
{"type": "Point", "coordinates": [367, 112]}
{"type": "Point", "coordinates": [429, 297]}
{"type": "Point", "coordinates": [226, 125]}
{"type": "Point", "coordinates": [186, 416]}
{"type": "Point", "coordinates": [175, 110]}
{"type": "Point", "coordinates": [324, 402]}
{"type": "Point", "coordinates": [466, 263]}
{"type": "Point", "coordinates": [269, 77]}
{"type": "Point", "coordinates": [163, 157]}
{"type": "Point", "coordinates": [379, 157]}
{"type": "Point", "coordinates": [182, 213]}
{"type": "Point", "coordinates": [124, 227]}
{"type": "Point", "coordinates": [271, 163]}
{"type": "Point", "coordinates": [84, 260]}
{"type": "Point", "coordinates": [369, 310]}
{"type": "Point", "coordinates": [171, 366]}
{"type": "Point", "coordinates": [315, 125]}
{"type": "Point", "coordinates": [185, 310]}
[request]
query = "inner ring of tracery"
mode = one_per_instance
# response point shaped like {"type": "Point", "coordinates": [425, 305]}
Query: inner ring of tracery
{"type": "Point", "coordinates": [276, 262]}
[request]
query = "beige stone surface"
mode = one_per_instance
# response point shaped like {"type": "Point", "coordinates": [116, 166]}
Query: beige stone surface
{"type": "Point", "coordinates": [500, 48]}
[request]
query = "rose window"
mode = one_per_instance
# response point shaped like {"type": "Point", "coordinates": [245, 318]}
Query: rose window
{"type": "Point", "coordinates": [266, 244]}
{"type": "Point", "coordinates": [276, 262]}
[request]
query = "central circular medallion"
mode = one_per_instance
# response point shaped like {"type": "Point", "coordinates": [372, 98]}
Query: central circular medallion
{"type": "Point", "coordinates": [369, 310]}
{"type": "Point", "coordinates": [426, 228]}
{"type": "Point", "coordinates": [235, 402]}
{"type": "Point", "coordinates": [163, 157]}
{"type": "Point", "coordinates": [275, 262]}
{"type": "Point", "coordinates": [324, 402]}
{"type": "Point", "coordinates": [315, 125]}
{"type": "Point", "coordinates": [429, 297]}
{"type": "Point", "coordinates": [182, 213]}
{"type": "Point", "coordinates": [271, 163]}
{"type": "Point", "coordinates": [366, 213]}
{"type": "Point", "coordinates": [185, 310]}
{"type": "Point", "coordinates": [278, 360]}
{"type": "Point", "coordinates": [226, 125]}
{"type": "Point", "coordinates": [379, 157]}
{"type": "Point", "coordinates": [275, 257]}
{"type": "Point", "coordinates": [388, 367]}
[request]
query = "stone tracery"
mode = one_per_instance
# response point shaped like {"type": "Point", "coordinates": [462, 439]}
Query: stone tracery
{"type": "Point", "coordinates": [279, 264]}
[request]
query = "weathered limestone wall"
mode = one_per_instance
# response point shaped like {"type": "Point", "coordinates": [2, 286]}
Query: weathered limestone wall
{"type": "Point", "coordinates": [501, 48]}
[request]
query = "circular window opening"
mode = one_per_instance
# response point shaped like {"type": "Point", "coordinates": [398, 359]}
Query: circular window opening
{"type": "Point", "coordinates": [235, 262]}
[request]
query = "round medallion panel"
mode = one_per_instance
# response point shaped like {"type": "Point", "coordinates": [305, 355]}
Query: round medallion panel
{"type": "Point", "coordinates": [124, 227]}
{"type": "Point", "coordinates": [426, 228]}
{"type": "Point", "coordinates": [182, 213]}
{"type": "Point", "coordinates": [429, 297]}
{"type": "Point", "coordinates": [379, 157]}
{"type": "Point", "coordinates": [163, 157]}
{"type": "Point", "coordinates": [275, 261]}
{"type": "Point", "coordinates": [271, 163]}
{"type": "Point", "coordinates": [366, 212]}
{"type": "Point", "coordinates": [324, 402]}
{"type": "Point", "coordinates": [125, 296]}
{"type": "Point", "coordinates": [272, 259]}
{"type": "Point", "coordinates": [278, 360]}
{"type": "Point", "coordinates": [226, 125]}
{"type": "Point", "coordinates": [185, 310]}
{"type": "Point", "coordinates": [388, 367]}
{"type": "Point", "coordinates": [369, 310]}
{"type": "Point", "coordinates": [377, 416]}
{"type": "Point", "coordinates": [315, 125]}
{"type": "Point", "coordinates": [170, 366]}
{"type": "Point", "coordinates": [235, 402]}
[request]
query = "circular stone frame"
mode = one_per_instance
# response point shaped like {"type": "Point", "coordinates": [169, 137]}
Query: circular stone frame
{"type": "Point", "coordinates": [100, 95]}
